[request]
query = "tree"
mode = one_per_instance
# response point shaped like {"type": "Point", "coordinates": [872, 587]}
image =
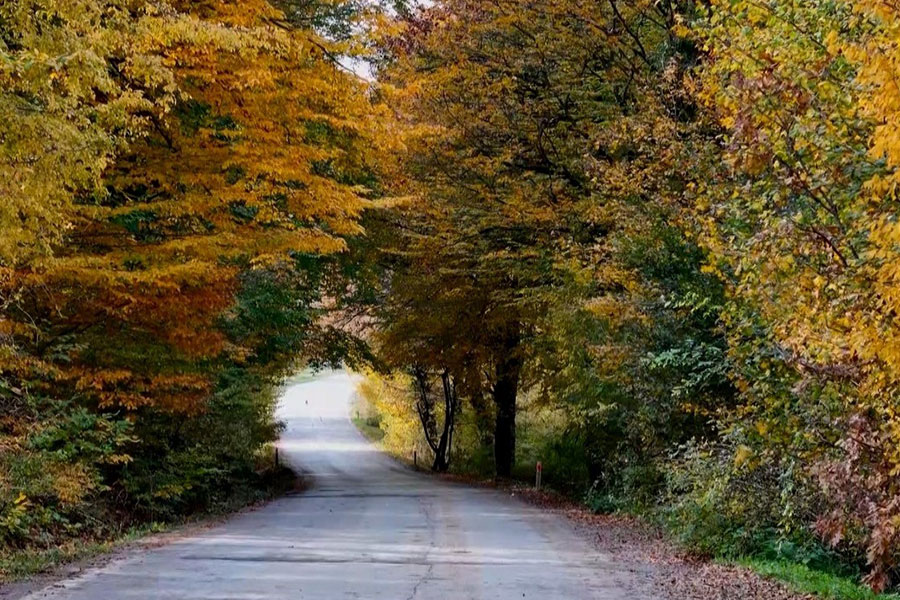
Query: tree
{"type": "Point", "coordinates": [66, 114]}
{"type": "Point", "coordinates": [441, 444]}
{"type": "Point", "coordinates": [544, 140]}
{"type": "Point", "coordinates": [801, 230]}
{"type": "Point", "coordinates": [253, 162]}
{"type": "Point", "coordinates": [210, 156]}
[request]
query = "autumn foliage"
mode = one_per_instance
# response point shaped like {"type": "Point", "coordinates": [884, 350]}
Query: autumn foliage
{"type": "Point", "coordinates": [175, 176]}
{"type": "Point", "coordinates": [678, 220]}
{"type": "Point", "coordinates": [653, 244]}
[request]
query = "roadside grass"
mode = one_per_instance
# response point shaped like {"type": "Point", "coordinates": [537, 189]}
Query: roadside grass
{"type": "Point", "coordinates": [17, 565]}
{"type": "Point", "coordinates": [369, 429]}
{"type": "Point", "coordinates": [367, 420]}
{"type": "Point", "coordinates": [804, 580]}
{"type": "Point", "coordinates": [302, 377]}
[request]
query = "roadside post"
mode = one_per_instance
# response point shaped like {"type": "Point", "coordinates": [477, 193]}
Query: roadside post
{"type": "Point", "coordinates": [415, 460]}
{"type": "Point", "coordinates": [537, 475]}
{"type": "Point", "coordinates": [276, 457]}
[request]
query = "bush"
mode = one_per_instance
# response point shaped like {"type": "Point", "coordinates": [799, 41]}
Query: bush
{"type": "Point", "coordinates": [723, 500]}
{"type": "Point", "coordinates": [635, 489]}
{"type": "Point", "coordinates": [52, 467]}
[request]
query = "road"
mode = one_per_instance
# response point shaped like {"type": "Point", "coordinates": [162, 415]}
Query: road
{"type": "Point", "coordinates": [367, 528]}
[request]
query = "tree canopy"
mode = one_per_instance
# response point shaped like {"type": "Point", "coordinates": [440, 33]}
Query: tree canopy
{"type": "Point", "coordinates": [652, 244]}
{"type": "Point", "coordinates": [177, 178]}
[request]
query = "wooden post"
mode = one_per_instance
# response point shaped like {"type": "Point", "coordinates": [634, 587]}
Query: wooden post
{"type": "Point", "coordinates": [537, 476]}
{"type": "Point", "coordinates": [415, 460]}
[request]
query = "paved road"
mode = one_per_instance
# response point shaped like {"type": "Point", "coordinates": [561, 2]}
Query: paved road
{"type": "Point", "coordinates": [368, 529]}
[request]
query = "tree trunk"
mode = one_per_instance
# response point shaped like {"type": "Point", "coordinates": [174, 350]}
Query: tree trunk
{"type": "Point", "coordinates": [505, 391]}
{"type": "Point", "coordinates": [481, 408]}
{"type": "Point", "coordinates": [441, 462]}
{"type": "Point", "coordinates": [451, 408]}
{"type": "Point", "coordinates": [425, 407]}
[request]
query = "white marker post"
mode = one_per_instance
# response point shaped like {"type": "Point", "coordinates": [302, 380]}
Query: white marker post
{"type": "Point", "coordinates": [537, 476]}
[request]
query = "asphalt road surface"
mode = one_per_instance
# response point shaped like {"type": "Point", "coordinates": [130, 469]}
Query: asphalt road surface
{"type": "Point", "coordinates": [367, 528]}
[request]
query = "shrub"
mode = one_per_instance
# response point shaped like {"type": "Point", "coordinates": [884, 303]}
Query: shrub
{"type": "Point", "coordinates": [724, 500]}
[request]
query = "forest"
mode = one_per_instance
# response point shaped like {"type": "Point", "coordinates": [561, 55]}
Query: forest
{"type": "Point", "coordinates": [654, 245]}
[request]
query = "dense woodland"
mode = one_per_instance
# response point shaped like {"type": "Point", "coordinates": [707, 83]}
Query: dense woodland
{"type": "Point", "coordinates": [653, 244]}
{"type": "Point", "coordinates": [177, 180]}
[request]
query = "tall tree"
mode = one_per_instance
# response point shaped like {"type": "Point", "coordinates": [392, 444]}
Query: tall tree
{"type": "Point", "coordinates": [254, 162]}
{"type": "Point", "coordinates": [802, 229]}
{"type": "Point", "coordinates": [209, 155]}
{"type": "Point", "coordinates": [544, 140]}
{"type": "Point", "coordinates": [66, 113]}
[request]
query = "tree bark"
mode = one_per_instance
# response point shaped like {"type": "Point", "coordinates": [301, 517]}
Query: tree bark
{"type": "Point", "coordinates": [445, 445]}
{"type": "Point", "coordinates": [505, 392]}
{"type": "Point", "coordinates": [441, 447]}
{"type": "Point", "coordinates": [481, 406]}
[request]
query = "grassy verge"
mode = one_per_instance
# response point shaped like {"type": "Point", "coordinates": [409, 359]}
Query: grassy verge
{"type": "Point", "coordinates": [303, 376]}
{"type": "Point", "coordinates": [16, 565]}
{"type": "Point", "coordinates": [804, 580]}
{"type": "Point", "coordinates": [372, 432]}
{"type": "Point", "coordinates": [26, 563]}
